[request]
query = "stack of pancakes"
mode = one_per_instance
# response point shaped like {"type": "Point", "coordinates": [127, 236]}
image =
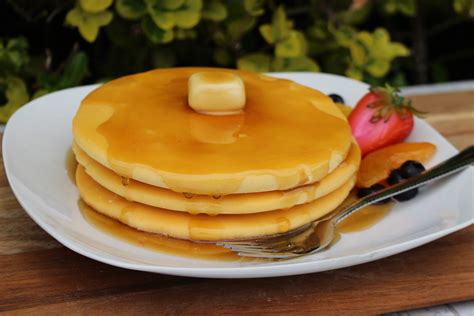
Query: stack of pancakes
{"type": "Point", "coordinates": [149, 161]}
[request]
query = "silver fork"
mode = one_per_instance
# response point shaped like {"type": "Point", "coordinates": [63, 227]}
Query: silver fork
{"type": "Point", "coordinates": [318, 235]}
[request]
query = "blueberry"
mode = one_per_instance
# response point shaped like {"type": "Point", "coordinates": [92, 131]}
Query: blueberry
{"type": "Point", "coordinates": [370, 190]}
{"type": "Point", "coordinates": [405, 196]}
{"type": "Point", "coordinates": [395, 177]}
{"type": "Point", "coordinates": [336, 98]}
{"type": "Point", "coordinates": [411, 168]}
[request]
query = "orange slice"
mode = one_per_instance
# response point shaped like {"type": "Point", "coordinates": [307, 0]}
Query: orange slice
{"type": "Point", "coordinates": [376, 166]}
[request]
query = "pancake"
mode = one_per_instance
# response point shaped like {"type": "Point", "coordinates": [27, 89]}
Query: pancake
{"type": "Point", "coordinates": [204, 227]}
{"type": "Point", "coordinates": [228, 204]}
{"type": "Point", "coordinates": [142, 128]}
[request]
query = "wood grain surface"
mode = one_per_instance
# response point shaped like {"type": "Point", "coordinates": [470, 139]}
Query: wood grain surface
{"type": "Point", "coordinates": [39, 276]}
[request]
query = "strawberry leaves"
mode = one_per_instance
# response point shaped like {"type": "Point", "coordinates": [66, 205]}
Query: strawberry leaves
{"type": "Point", "coordinates": [389, 101]}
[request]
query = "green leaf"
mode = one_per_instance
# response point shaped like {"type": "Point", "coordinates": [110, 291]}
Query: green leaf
{"type": "Point", "coordinates": [398, 49]}
{"type": "Point", "coordinates": [354, 73]}
{"type": "Point", "coordinates": [382, 48]}
{"type": "Point", "coordinates": [465, 7]}
{"type": "Point", "coordinates": [343, 35]}
{"type": "Point", "coordinates": [88, 23]}
{"type": "Point", "coordinates": [302, 63]}
{"type": "Point", "coordinates": [406, 7]}
{"type": "Point", "coordinates": [254, 7]}
{"type": "Point", "coordinates": [193, 5]}
{"type": "Point", "coordinates": [372, 53]}
{"type": "Point", "coordinates": [72, 74]}
{"type": "Point", "coordinates": [237, 27]}
{"type": "Point", "coordinates": [74, 71]}
{"type": "Point", "coordinates": [254, 62]}
{"type": "Point", "coordinates": [187, 19]}
{"type": "Point", "coordinates": [165, 20]}
{"type": "Point", "coordinates": [293, 46]}
{"type": "Point", "coordinates": [155, 34]}
{"type": "Point", "coordinates": [189, 15]}
{"type": "Point", "coordinates": [378, 68]}
{"type": "Point", "coordinates": [95, 6]}
{"type": "Point", "coordinates": [281, 27]}
{"type": "Point", "coordinates": [358, 53]}
{"type": "Point", "coordinates": [279, 30]}
{"type": "Point", "coordinates": [267, 33]}
{"type": "Point", "coordinates": [130, 9]}
{"type": "Point", "coordinates": [214, 10]}
{"type": "Point", "coordinates": [16, 95]}
{"type": "Point", "coordinates": [13, 55]}
{"type": "Point", "coordinates": [171, 4]}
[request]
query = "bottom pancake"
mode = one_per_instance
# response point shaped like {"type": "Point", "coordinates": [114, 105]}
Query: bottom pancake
{"type": "Point", "coordinates": [204, 227]}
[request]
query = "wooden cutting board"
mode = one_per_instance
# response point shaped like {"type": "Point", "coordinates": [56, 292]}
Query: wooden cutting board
{"type": "Point", "coordinates": [38, 275]}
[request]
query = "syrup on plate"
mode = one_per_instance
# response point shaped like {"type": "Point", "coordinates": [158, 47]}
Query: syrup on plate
{"type": "Point", "coordinates": [364, 218]}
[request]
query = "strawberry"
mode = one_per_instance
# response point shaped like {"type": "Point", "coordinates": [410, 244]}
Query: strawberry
{"type": "Point", "coordinates": [382, 117]}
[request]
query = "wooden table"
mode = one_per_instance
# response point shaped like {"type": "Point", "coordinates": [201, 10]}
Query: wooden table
{"type": "Point", "coordinates": [38, 275]}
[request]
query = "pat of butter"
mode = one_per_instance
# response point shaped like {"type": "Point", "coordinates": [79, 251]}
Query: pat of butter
{"type": "Point", "coordinates": [216, 93]}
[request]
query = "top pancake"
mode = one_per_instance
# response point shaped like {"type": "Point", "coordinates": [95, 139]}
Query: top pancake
{"type": "Point", "coordinates": [141, 127]}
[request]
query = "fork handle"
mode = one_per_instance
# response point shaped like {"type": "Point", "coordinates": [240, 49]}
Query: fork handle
{"type": "Point", "coordinates": [452, 165]}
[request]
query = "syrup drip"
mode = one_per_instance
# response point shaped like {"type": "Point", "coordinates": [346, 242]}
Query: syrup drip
{"type": "Point", "coordinates": [125, 181]}
{"type": "Point", "coordinates": [188, 195]}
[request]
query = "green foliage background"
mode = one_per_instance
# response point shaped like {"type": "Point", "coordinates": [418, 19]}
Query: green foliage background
{"type": "Point", "coordinates": [96, 40]}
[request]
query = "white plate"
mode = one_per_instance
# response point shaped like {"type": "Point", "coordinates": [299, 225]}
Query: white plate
{"type": "Point", "coordinates": [38, 136]}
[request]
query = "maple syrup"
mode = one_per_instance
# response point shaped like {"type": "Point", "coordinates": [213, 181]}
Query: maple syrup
{"type": "Point", "coordinates": [364, 218]}
{"type": "Point", "coordinates": [141, 126]}
{"type": "Point", "coordinates": [204, 227]}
